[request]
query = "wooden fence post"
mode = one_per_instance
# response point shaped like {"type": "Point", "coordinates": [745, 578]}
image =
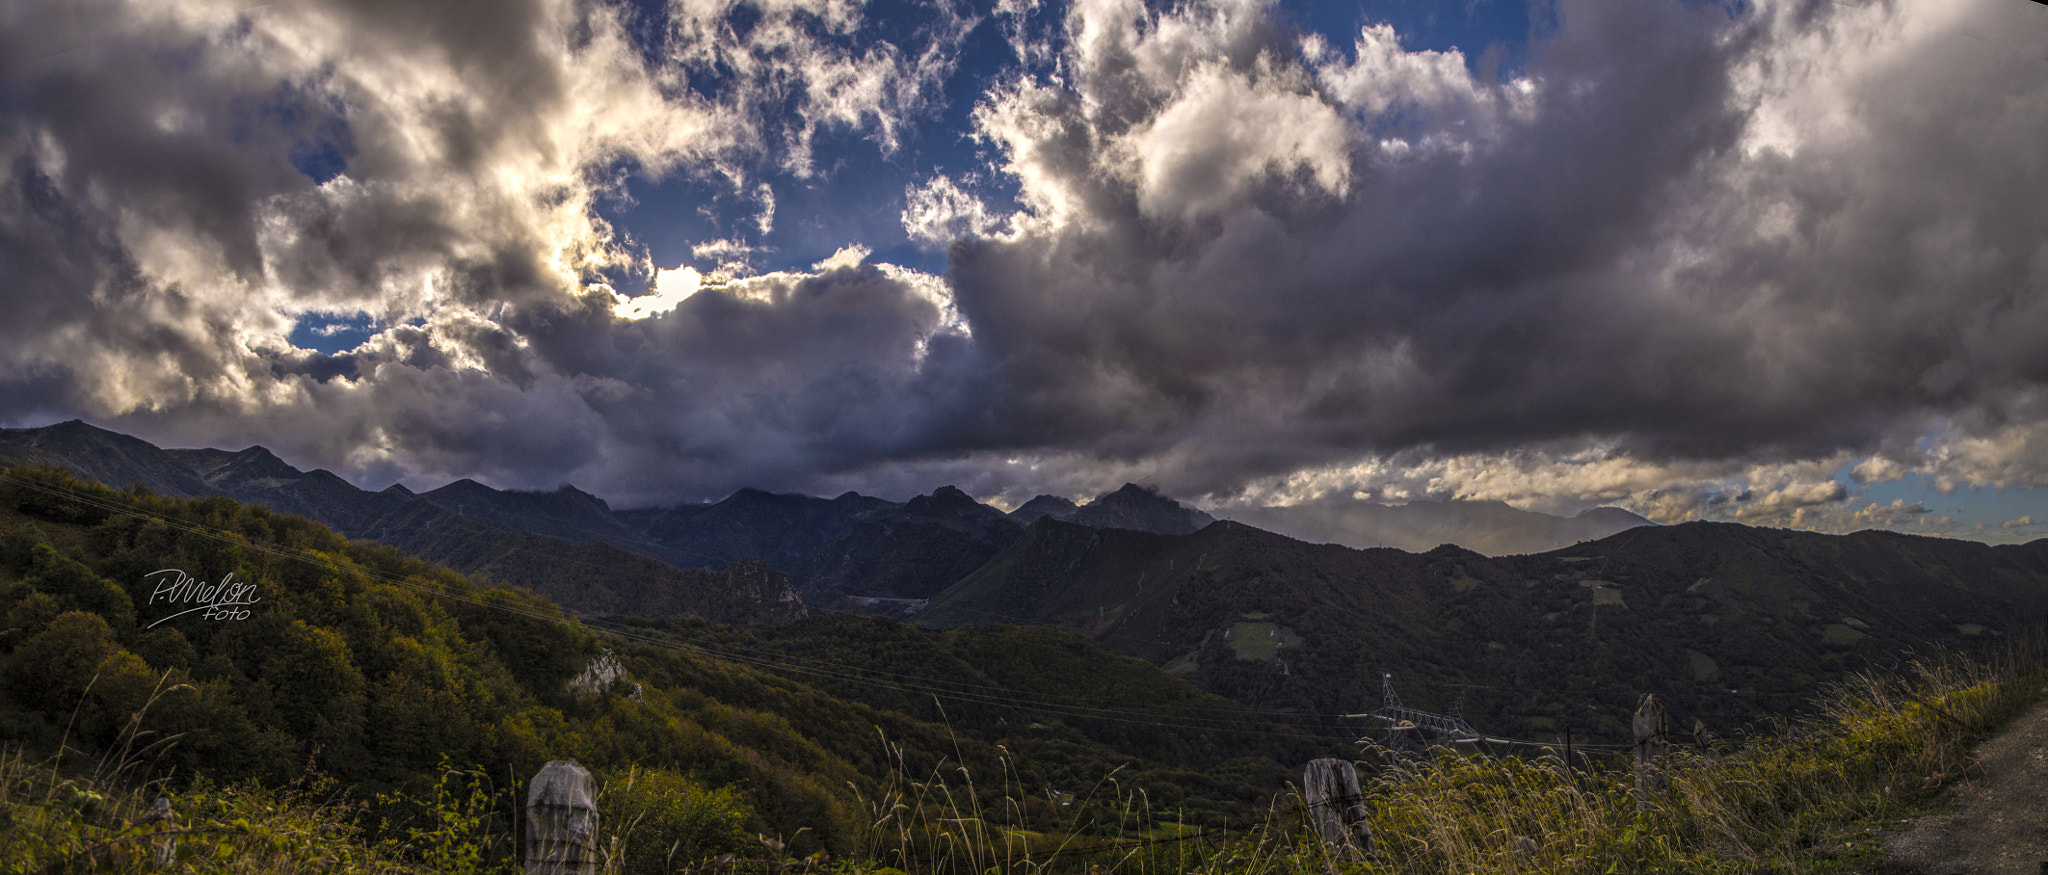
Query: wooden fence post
{"type": "Point", "coordinates": [1652, 725]}
{"type": "Point", "coordinates": [561, 821]}
{"type": "Point", "coordinates": [1337, 807]}
{"type": "Point", "coordinates": [1571, 764]}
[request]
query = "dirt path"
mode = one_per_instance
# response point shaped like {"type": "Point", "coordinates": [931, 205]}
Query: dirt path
{"type": "Point", "coordinates": [2001, 822]}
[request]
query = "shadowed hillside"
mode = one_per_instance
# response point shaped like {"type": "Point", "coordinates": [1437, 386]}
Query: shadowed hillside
{"type": "Point", "coordinates": [1728, 623]}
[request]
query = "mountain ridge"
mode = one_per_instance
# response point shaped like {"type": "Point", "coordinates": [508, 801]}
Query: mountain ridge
{"type": "Point", "coordinates": [581, 575]}
{"type": "Point", "coordinates": [847, 549]}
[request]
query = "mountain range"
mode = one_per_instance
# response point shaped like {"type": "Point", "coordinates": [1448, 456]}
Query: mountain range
{"type": "Point", "coordinates": [853, 550]}
{"type": "Point", "coordinates": [1727, 623]}
{"type": "Point", "coordinates": [465, 526]}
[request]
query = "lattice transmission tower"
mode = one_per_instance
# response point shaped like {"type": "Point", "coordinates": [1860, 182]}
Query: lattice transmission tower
{"type": "Point", "coordinates": [1415, 729]}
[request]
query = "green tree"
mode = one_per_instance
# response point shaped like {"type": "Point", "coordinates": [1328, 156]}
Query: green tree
{"type": "Point", "coordinates": [53, 669]}
{"type": "Point", "coordinates": [77, 588]}
{"type": "Point", "coordinates": [317, 691]}
{"type": "Point", "coordinates": [31, 614]}
{"type": "Point", "coordinates": [75, 665]}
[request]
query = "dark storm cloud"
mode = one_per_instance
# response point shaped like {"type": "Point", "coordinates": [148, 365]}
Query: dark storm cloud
{"type": "Point", "coordinates": [776, 380]}
{"type": "Point", "coordinates": [1409, 308]}
{"type": "Point", "coordinates": [1690, 255]}
{"type": "Point", "coordinates": [1608, 262]}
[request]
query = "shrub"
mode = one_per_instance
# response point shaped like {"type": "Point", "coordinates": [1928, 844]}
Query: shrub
{"type": "Point", "coordinates": [664, 820]}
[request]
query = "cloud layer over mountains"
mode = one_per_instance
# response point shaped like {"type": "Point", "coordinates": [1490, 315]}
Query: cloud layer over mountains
{"type": "Point", "coordinates": [1691, 261]}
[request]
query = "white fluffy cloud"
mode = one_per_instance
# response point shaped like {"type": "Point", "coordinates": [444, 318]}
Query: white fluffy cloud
{"type": "Point", "coordinates": [940, 211]}
{"type": "Point", "coordinates": [798, 58]}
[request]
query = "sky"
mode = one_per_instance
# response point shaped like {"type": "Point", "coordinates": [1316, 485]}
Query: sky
{"type": "Point", "coordinates": [1780, 263]}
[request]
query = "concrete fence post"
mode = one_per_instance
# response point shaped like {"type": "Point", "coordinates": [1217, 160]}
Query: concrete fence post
{"type": "Point", "coordinates": [561, 821]}
{"type": "Point", "coordinates": [1652, 725]}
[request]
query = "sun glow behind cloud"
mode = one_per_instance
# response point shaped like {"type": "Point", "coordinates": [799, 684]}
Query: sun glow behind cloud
{"type": "Point", "coordinates": [672, 287]}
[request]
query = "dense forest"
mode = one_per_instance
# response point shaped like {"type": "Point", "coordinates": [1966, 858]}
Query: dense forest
{"type": "Point", "coordinates": [376, 671]}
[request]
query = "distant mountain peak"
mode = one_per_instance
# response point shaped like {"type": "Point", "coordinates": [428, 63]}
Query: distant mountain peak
{"type": "Point", "coordinates": [1044, 506]}
{"type": "Point", "coordinates": [569, 491]}
{"type": "Point", "coordinates": [1615, 515]}
{"type": "Point", "coordinates": [1491, 528]}
{"type": "Point", "coordinates": [951, 493]}
{"type": "Point", "coordinates": [1133, 492]}
{"type": "Point", "coordinates": [76, 425]}
{"type": "Point", "coordinates": [565, 488]}
{"type": "Point", "coordinates": [951, 502]}
{"type": "Point", "coordinates": [1141, 508]}
{"type": "Point", "coordinates": [96, 453]}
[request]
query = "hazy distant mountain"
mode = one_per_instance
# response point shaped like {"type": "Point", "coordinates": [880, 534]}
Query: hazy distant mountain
{"type": "Point", "coordinates": [1488, 527]}
{"type": "Point", "coordinates": [1133, 507]}
{"type": "Point", "coordinates": [257, 476]}
{"type": "Point", "coordinates": [1724, 622]}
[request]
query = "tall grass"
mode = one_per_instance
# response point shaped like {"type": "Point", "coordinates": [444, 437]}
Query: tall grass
{"type": "Point", "coordinates": [71, 812]}
{"type": "Point", "coordinates": [1879, 747]}
{"type": "Point", "coordinates": [1807, 796]}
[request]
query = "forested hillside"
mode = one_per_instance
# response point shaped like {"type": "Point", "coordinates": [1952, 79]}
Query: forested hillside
{"type": "Point", "coordinates": [1728, 623]}
{"type": "Point", "coordinates": [374, 669]}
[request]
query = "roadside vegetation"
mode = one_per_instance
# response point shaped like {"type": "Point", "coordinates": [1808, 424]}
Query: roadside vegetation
{"type": "Point", "coordinates": [1810, 795]}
